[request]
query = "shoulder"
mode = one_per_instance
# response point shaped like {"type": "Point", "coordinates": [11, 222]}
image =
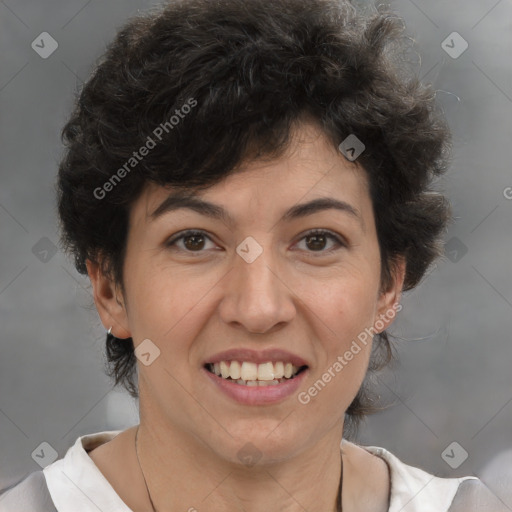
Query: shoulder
{"type": "Point", "coordinates": [366, 479]}
{"type": "Point", "coordinates": [31, 493]}
{"type": "Point", "coordinates": [35, 491]}
{"type": "Point", "coordinates": [475, 496]}
{"type": "Point", "coordinates": [415, 490]}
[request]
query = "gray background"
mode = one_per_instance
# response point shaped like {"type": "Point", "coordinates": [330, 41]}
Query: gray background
{"type": "Point", "coordinates": [454, 382]}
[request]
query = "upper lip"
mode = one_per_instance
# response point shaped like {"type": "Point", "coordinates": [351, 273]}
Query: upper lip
{"type": "Point", "coordinates": [257, 356]}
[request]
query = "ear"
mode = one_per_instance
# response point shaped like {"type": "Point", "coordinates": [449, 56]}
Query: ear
{"type": "Point", "coordinates": [389, 300]}
{"type": "Point", "coordinates": [110, 306]}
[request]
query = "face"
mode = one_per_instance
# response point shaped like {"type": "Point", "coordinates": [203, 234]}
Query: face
{"type": "Point", "coordinates": [263, 284]}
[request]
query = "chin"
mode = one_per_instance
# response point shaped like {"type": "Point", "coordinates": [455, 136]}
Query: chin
{"type": "Point", "coordinates": [267, 445]}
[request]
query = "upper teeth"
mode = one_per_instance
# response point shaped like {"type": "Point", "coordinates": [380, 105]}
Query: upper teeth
{"type": "Point", "coordinates": [252, 371]}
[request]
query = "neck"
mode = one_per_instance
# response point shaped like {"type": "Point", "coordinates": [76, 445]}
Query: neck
{"type": "Point", "coordinates": [309, 479]}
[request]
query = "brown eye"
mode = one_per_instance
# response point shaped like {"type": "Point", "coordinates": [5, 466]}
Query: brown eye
{"type": "Point", "coordinates": [191, 241]}
{"type": "Point", "coordinates": [316, 241]}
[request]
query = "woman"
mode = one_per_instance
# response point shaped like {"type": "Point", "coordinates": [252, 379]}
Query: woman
{"type": "Point", "coordinates": [247, 185]}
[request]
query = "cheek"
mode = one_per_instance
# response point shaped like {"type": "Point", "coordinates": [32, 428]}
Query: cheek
{"type": "Point", "coordinates": [153, 297]}
{"type": "Point", "coordinates": [345, 310]}
{"type": "Point", "coordinates": [346, 305]}
{"type": "Point", "coordinates": [344, 357]}
{"type": "Point", "coordinates": [167, 301]}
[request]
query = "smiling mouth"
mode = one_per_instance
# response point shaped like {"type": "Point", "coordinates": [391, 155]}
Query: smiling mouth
{"type": "Point", "coordinates": [251, 374]}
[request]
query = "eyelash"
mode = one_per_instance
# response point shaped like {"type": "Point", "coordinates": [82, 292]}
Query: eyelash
{"type": "Point", "coordinates": [189, 233]}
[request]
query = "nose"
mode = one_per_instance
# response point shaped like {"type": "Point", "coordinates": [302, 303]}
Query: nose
{"type": "Point", "coordinates": [256, 297]}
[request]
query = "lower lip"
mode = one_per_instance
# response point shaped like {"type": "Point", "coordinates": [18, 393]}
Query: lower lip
{"type": "Point", "coordinates": [257, 395]}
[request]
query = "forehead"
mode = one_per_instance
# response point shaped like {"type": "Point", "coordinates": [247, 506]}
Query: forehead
{"type": "Point", "coordinates": [311, 168]}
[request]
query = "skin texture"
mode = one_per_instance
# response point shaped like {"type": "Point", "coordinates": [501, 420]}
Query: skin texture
{"type": "Point", "coordinates": [298, 295]}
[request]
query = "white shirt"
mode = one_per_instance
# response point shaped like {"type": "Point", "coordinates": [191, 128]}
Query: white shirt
{"type": "Point", "coordinates": [77, 485]}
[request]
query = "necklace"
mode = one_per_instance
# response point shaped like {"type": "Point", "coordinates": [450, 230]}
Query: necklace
{"type": "Point", "coordinates": [153, 506]}
{"type": "Point", "coordinates": [138, 460]}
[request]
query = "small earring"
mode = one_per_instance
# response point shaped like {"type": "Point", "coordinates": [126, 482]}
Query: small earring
{"type": "Point", "coordinates": [110, 330]}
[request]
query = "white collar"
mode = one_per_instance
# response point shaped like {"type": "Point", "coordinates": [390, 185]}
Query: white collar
{"type": "Point", "coordinates": [77, 485]}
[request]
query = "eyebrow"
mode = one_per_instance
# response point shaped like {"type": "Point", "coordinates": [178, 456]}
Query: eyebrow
{"type": "Point", "coordinates": [176, 201]}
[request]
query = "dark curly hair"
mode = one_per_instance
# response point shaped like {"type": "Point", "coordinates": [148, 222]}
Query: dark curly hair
{"type": "Point", "coordinates": [253, 70]}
